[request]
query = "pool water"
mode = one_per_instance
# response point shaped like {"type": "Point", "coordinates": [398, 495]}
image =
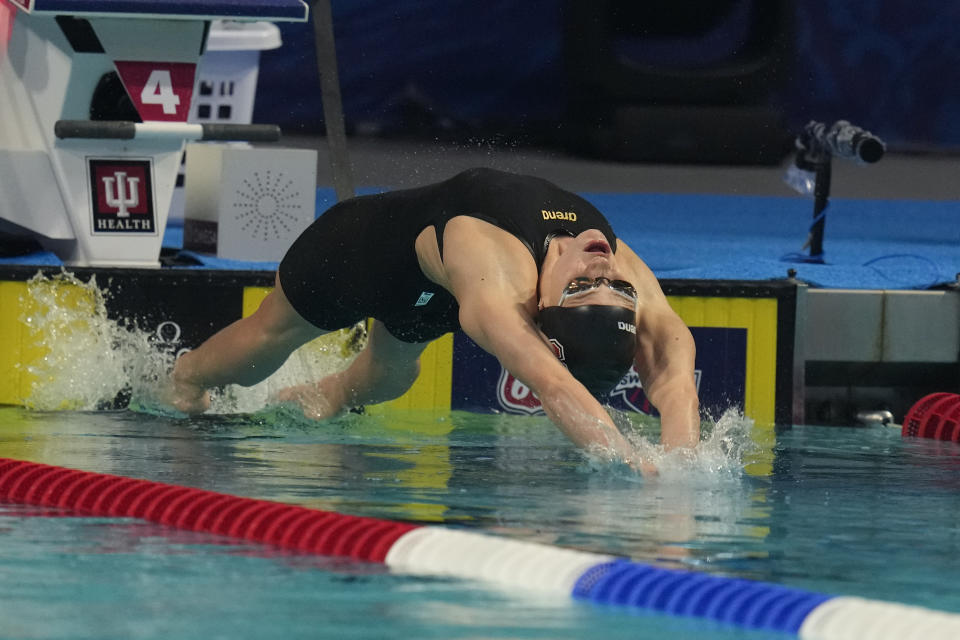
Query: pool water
{"type": "Point", "coordinates": [853, 511]}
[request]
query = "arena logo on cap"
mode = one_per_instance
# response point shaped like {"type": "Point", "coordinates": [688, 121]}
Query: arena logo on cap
{"type": "Point", "coordinates": [121, 194]}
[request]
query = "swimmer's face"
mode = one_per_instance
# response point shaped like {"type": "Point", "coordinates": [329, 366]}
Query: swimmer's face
{"type": "Point", "coordinates": [587, 255]}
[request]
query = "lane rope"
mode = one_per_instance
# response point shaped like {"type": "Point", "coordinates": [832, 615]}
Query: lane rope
{"type": "Point", "coordinates": [935, 416]}
{"type": "Point", "coordinates": [439, 551]}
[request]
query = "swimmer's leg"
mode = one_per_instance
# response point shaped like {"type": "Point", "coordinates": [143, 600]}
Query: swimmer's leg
{"type": "Point", "coordinates": [384, 370]}
{"type": "Point", "coordinates": [244, 352]}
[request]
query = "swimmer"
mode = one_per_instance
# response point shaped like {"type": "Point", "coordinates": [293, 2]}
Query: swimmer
{"type": "Point", "coordinates": [532, 273]}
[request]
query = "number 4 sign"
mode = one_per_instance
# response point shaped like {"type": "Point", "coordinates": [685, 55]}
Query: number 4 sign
{"type": "Point", "coordinates": [159, 90]}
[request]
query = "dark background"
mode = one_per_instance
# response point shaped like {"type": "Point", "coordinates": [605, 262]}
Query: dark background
{"type": "Point", "coordinates": [671, 80]}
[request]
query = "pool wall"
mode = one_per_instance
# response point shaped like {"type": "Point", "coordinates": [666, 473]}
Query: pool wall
{"type": "Point", "coordinates": [745, 335]}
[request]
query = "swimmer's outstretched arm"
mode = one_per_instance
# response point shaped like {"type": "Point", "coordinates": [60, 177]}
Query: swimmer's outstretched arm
{"type": "Point", "coordinates": [665, 362]}
{"type": "Point", "coordinates": [516, 342]}
{"type": "Point", "coordinates": [665, 358]}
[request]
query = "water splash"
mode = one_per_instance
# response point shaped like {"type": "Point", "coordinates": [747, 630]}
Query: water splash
{"type": "Point", "coordinates": [88, 361]}
{"type": "Point", "coordinates": [91, 361]}
{"type": "Point", "coordinates": [722, 452]}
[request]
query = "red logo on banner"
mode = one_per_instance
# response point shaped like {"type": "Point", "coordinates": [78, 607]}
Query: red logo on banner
{"type": "Point", "coordinates": [516, 397]}
{"type": "Point", "coordinates": [630, 391]}
{"type": "Point", "coordinates": [122, 196]}
{"type": "Point", "coordinates": [159, 90]}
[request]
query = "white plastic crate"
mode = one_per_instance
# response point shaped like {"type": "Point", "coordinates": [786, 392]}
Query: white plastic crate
{"type": "Point", "coordinates": [228, 71]}
{"type": "Point", "coordinates": [227, 80]}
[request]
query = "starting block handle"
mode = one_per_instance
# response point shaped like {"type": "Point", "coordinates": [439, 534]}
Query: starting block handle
{"type": "Point", "coordinates": [114, 130]}
{"type": "Point", "coordinates": [126, 130]}
{"type": "Point", "coordinates": [243, 132]}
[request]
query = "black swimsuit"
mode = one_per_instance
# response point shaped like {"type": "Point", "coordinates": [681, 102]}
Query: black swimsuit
{"type": "Point", "coordinates": [357, 260]}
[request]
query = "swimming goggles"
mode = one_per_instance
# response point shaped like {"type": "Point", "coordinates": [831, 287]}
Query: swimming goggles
{"type": "Point", "coordinates": [582, 285]}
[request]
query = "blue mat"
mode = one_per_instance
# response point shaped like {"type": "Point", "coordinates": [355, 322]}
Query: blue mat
{"type": "Point", "coordinates": [869, 244]}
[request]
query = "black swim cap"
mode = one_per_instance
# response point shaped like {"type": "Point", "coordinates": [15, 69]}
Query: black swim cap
{"type": "Point", "coordinates": [597, 342]}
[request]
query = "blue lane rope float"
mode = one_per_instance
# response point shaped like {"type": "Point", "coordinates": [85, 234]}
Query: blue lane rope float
{"type": "Point", "coordinates": [431, 550]}
{"type": "Point", "coordinates": [743, 603]}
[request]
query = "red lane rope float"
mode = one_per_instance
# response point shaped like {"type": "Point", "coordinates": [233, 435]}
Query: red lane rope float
{"type": "Point", "coordinates": [934, 416]}
{"type": "Point", "coordinates": [284, 525]}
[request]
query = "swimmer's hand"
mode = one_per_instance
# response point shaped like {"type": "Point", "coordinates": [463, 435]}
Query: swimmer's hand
{"type": "Point", "coordinates": [626, 454]}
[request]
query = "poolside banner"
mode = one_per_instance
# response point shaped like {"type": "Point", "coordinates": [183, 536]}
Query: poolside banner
{"type": "Point", "coordinates": [480, 384]}
{"type": "Point", "coordinates": [745, 332]}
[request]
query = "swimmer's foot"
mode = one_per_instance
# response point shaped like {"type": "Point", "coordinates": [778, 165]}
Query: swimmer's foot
{"type": "Point", "coordinates": [185, 396]}
{"type": "Point", "coordinates": [646, 468]}
{"type": "Point", "coordinates": [189, 399]}
{"type": "Point", "coordinates": [316, 400]}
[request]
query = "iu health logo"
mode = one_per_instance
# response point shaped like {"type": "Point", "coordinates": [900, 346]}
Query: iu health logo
{"type": "Point", "coordinates": [121, 193]}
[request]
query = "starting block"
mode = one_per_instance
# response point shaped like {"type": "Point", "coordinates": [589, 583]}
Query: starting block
{"type": "Point", "coordinates": [94, 101]}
